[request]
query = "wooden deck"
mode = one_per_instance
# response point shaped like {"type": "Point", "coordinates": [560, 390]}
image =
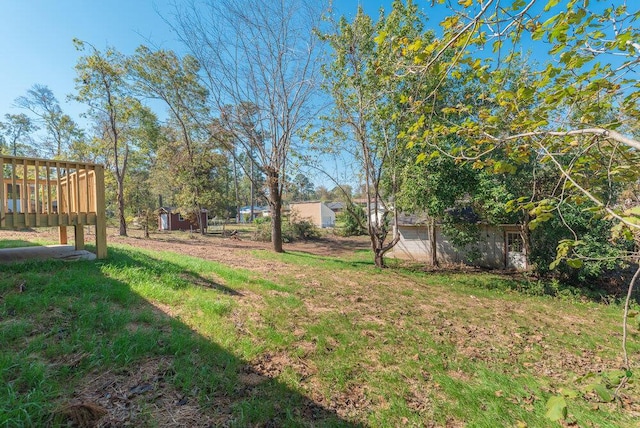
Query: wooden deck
{"type": "Point", "coordinates": [53, 193]}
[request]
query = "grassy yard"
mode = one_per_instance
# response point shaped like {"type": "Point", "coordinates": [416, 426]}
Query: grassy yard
{"type": "Point", "coordinates": [161, 339]}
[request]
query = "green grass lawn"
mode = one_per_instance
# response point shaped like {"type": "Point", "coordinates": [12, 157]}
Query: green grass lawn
{"type": "Point", "coordinates": [307, 341]}
{"type": "Point", "coordinates": [17, 243]}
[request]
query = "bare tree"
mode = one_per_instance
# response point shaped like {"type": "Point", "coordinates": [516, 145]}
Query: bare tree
{"type": "Point", "coordinates": [259, 59]}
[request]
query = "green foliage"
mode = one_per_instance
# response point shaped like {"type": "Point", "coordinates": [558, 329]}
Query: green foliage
{"type": "Point", "coordinates": [63, 136]}
{"type": "Point", "coordinates": [292, 230]}
{"type": "Point", "coordinates": [432, 186]}
{"type": "Point", "coordinates": [301, 230]}
{"type": "Point", "coordinates": [351, 222]}
{"type": "Point", "coordinates": [588, 258]}
{"type": "Point", "coordinates": [370, 113]}
{"type": "Point", "coordinates": [565, 130]}
{"type": "Point", "coordinates": [556, 408]}
{"type": "Point", "coordinates": [463, 235]}
{"type": "Point", "coordinates": [594, 387]}
{"type": "Point", "coordinates": [15, 135]}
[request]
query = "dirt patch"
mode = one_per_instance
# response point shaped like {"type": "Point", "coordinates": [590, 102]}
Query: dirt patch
{"type": "Point", "coordinates": [135, 397]}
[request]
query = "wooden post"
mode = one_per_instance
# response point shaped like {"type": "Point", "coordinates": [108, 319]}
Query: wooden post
{"type": "Point", "coordinates": [68, 192]}
{"type": "Point", "coordinates": [49, 204]}
{"type": "Point", "coordinates": [62, 234]}
{"type": "Point", "coordinates": [79, 236]}
{"type": "Point", "coordinates": [36, 190]}
{"type": "Point", "coordinates": [101, 215]}
{"type": "Point", "coordinates": [87, 189]}
{"type": "Point", "coordinates": [25, 198]}
{"type": "Point", "coordinates": [76, 194]}
{"type": "Point", "coordinates": [13, 190]}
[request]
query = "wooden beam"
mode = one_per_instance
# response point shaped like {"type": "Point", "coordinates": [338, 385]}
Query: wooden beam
{"type": "Point", "coordinates": [76, 193]}
{"type": "Point", "coordinates": [25, 194]}
{"type": "Point", "coordinates": [38, 206]}
{"type": "Point", "coordinates": [13, 189]}
{"type": "Point", "coordinates": [68, 188]}
{"type": "Point", "coordinates": [49, 203]}
{"type": "Point", "coordinates": [101, 215]}
{"type": "Point", "coordinates": [86, 184]}
{"type": "Point", "coordinates": [59, 189]}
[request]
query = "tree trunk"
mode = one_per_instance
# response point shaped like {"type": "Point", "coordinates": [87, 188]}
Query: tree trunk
{"type": "Point", "coordinates": [275, 202]}
{"type": "Point", "coordinates": [378, 258]}
{"type": "Point", "coordinates": [434, 242]}
{"type": "Point", "coordinates": [120, 196]}
{"type": "Point", "coordinates": [251, 194]}
{"type": "Point", "coordinates": [376, 246]}
{"type": "Point", "coordinates": [276, 227]}
{"type": "Point", "coordinates": [236, 189]}
{"type": "Point", "coordinates": [201, 223]}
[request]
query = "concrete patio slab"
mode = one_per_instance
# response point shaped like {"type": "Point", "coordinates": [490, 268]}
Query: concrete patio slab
{"type": "Point", "coordinates": [61, 252]}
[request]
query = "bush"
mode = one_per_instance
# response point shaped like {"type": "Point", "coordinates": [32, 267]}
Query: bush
{"type": "Point", "coordinates": [293, 230]}
{"type": "Point", "coordinates": [262, 232]}
{"type": "Point", "coordinates": [347, 223]}
{"type": "Point", "coordinates": [301, 229]}
{"type": "Point", "coordinates": [600, 254]}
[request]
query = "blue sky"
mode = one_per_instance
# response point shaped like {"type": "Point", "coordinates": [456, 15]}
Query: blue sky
{"type": "Point", "coordinates": [36, 39]}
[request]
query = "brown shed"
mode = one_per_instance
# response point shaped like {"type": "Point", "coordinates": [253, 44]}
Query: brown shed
{"type": "Point", "coordinates": [169, 219]}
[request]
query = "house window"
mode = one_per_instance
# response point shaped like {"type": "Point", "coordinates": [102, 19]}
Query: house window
{"type": "Point", "coordinates": [180, 218]}
{"type": "Point", "coordinates": [514, 242]}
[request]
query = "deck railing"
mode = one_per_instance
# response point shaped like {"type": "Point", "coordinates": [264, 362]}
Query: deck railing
{"type": "Point", "coordinates": [53, 193]}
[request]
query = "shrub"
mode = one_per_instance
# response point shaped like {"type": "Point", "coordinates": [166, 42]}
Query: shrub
{"type": "Point", "coordinates": [600, 254]}
{"type": "Point", "coordinates": [347, 223]}
{"type": "Point", "coordinates": [302, 229]}
{"type": "Point", "coordinates": [292, 230]}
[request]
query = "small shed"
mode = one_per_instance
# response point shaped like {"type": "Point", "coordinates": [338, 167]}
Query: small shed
{"type": "Point", "coordinates": [317, 213]}
{"type": "Point", "coordinates": [498, 246]}
{"type": "Point", "coordinates": [169, 219]}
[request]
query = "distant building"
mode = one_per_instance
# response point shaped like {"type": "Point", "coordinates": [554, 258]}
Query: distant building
{"type": "Point", "coordinates": [258, 211]}
{"type": "Point", "coordinates": [168, 219]}
{"type": "Point", "coordinates": [498, 246]}
{"type": "Point", "coordinates": [336, 207]}
{"type": "Point", "coordinates": [317, 213]}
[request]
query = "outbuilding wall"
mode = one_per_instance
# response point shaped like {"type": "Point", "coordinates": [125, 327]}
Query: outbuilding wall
{"type": "Point", "coordinates": [316, 212]}
{"type": "Point", "coordinates": [490, 251]}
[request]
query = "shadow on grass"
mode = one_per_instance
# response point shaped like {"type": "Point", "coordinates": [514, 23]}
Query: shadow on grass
{"type": "Point", "coordinates": [80, 346]}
